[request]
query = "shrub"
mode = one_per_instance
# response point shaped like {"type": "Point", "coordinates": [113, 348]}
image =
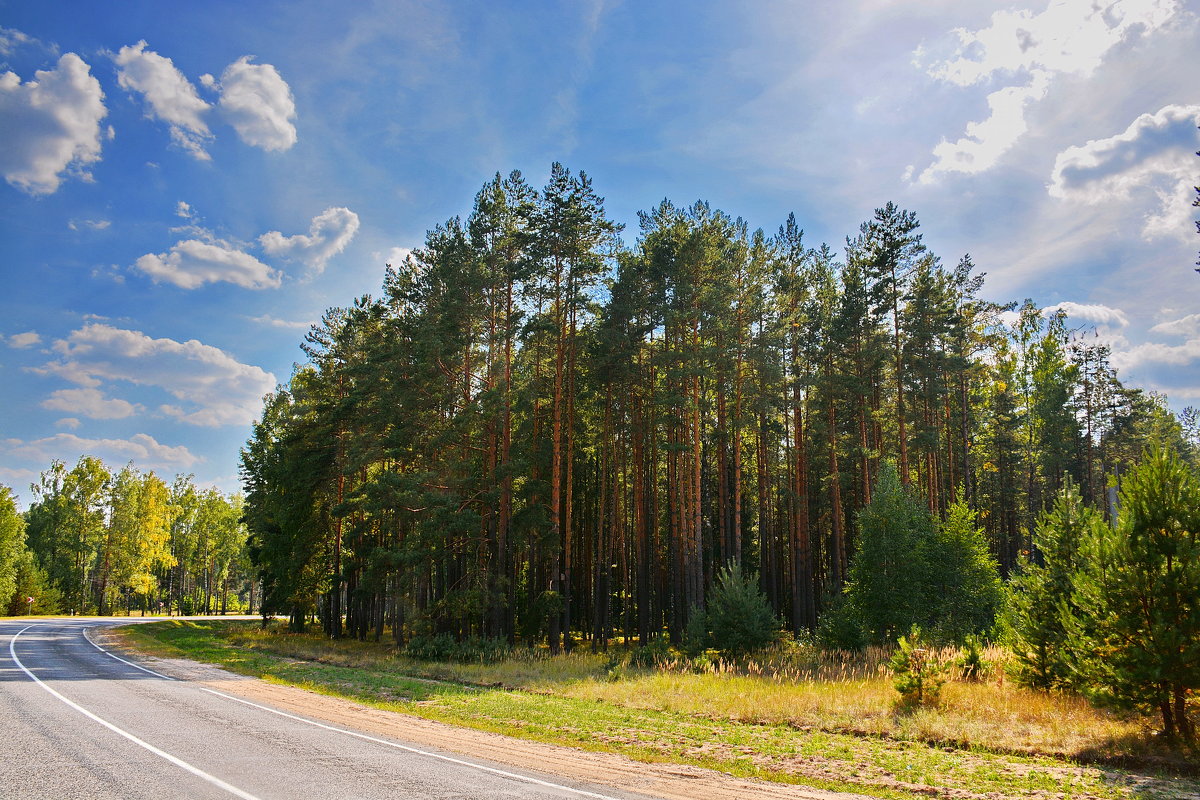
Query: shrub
{"type": "Point", "coordinates": [740, 620]}
{"type": "Point", "coordinates": [444, 647]}
{"type": "Point", "coordinates": [841, 626]}
{"type": "Point", "coordinates": [650, 655]}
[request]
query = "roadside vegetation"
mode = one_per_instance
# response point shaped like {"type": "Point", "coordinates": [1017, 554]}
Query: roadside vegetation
{"type": "Point", "coordinates": [793, 713]}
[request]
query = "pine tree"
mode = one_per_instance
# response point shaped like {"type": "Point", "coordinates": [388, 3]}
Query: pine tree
{"type": "Point", "coordinates": [890, 574]}
{"type": "Point", "coordinates": [1042, 594]}
{"type": "Point", "coordinates": [1138, 596]}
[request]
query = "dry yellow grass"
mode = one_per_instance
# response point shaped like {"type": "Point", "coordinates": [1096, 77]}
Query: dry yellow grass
{"type": "Point", "coordinates": [803, 687]}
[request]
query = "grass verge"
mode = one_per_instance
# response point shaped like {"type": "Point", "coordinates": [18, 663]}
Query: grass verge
{"type": "Point", "coordinates": [733, 723]}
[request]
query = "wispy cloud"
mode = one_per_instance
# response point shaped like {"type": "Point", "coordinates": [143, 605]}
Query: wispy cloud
{"type": "Point", "coordinates": [287, 324]}
{"type": "Point", "coordinates": [22, 341]}
{"type": "Point", "coordinates": [90, 403]}
{"type": "Point", "coordinates": [170, 96]}
{"type": "Point", "coordinates": [141, 448]}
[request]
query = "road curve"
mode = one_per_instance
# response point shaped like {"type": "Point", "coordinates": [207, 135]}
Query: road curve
{"type": "Point", "coordinates": [84, 723]}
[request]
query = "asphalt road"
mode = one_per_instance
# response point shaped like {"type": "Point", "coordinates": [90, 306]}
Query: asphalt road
{"type": "Point", "coordinates": [79, 722]}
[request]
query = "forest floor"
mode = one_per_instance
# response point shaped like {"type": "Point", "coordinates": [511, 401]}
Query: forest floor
{"type": "Point", "coordinates": [703, 735]}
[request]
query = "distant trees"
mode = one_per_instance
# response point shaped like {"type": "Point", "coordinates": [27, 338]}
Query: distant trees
{"type": "Point", "coordinates": [98, 541]}
{"type": "Point", "coordinates": [12, 543]}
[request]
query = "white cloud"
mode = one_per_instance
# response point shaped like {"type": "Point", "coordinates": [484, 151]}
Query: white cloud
{"type": "Point", "coordinates": [273, 322]}
{"type": "Point", "coordinates": [50, 125]}
{"type": "Point", "coordinates": [11, 39]}
{"type": "Point", "coordinates": [215, 388]}
{"type": "Point", "coordinates": [1026, 52]}
{"type": "Point", "coordinates": [20, 341]}
{"type": "Point", "coordinates": [1151, 353]}
{"type": "Point", "coordinates": [90, 403]}
{"type": "Point", "coordinates": [394, 256]}
{"type": "Point", "coordinates": [328, 235]}
{"type": "Point", "coordinates": [140, 448]}
{"type": "Point", "coordinates": [193, 263]}
{"type": "Point", "coordinates": [1101, 315]}
{"type": "Point", "coordinates": [1185, 326]}
{"type": "Point", "coordinates": [258, 103]}
{"type": "Point", "coordinates": [1155, 153]}
{"type": "Point", "coordinates": [985, 142]}
{"type": "Point", "coordinates": [183, 210]}
{"type": "Point", "coordinates": [90, 224]}
{"type": "Point", "coordinates": [170, 95]}
{"type": "Point", "coordinates": [70, 423]}
{"type": "Point", "coordinates": [14, 477]}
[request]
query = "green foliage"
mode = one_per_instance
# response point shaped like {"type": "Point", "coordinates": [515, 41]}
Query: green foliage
{"type": "Point", "coordinates": [910, 570]}
{"type": "Point", "coordinates": [1041, 596]}
{"type": "Point", "coordinates": [919, 676]}
{"type": "Point", "coordinates": [740, 620]}
{"type": "Point", "coordinates": [696, 636]}
{"type": "Point", "coordinates": [32, 581]}
{"type": "Point", "coordinates": [889, 575]}
{"type": "Point", "coordinates": [971, 664]}
{"type": "Point", "coordinates": [444, 647]}
{"type": "Point", "coordinates": [841, 627]}
{"type": "Point", "coordinates": [650, 655]}
{"type": "Point", "coordinates": [964, 590]}
{"type": "Point", "coordinates": [12, 543]}
{"type": "Point", "coordinates": [1137, 630]}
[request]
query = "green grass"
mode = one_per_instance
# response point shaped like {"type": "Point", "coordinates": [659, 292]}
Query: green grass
{"type": "Point", "coordinates": [734, 723]}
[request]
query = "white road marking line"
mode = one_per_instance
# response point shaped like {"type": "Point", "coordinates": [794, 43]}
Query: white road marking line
{"type": "Point", "coordinates": [215, 781]}
{"type": "Point", "coordinates": [357, 735]}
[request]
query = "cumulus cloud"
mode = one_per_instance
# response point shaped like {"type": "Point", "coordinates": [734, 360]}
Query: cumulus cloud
{"type": "Point", "coordinates": [1155, 153]}
{"type": "Point", "coordinates": [212, 387]}
{"type": "Point", "coordinates": [90, 403]}
{"type": "Point", "coordinates": [140, 448]}
{"type": "Point", "coordinates": [258, 103]}
{"type": "Point", "coordinates": [328, 235]}
{"type": "Point", "coordinates": [170, 96]}
{"type": "Point", "coordinates": [192, 263]}
{"type": "Point", "coordinates": [50, 125]}
{"type": "Point", "coordinates": [70, 423]}
{"type": "Point", "coordinates": [1100, 315]}
{"type": "Point", "coordinates": [1027, 51]}
{"type": "Point", "coordinates": [1184, 326]}
{"type": "Point", "coordinates": [21, 341]}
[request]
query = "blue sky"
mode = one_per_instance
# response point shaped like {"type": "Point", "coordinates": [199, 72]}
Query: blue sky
{"type": "Point", "coordinates": [188, 185]}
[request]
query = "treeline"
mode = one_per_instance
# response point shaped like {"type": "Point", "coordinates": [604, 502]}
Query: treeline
{"type": "Point", "coordinates": [104, 542]}
{"type": "Point", "coordinates": [536, 432]}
